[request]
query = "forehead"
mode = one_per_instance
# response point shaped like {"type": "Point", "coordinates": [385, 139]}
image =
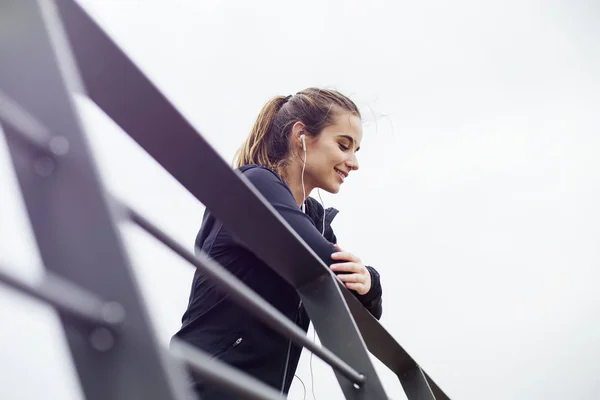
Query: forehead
{"type": "Point", "coordinates": [346, 124]}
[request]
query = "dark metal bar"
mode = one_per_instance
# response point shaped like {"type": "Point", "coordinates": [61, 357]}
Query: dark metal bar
{"type": "Point", "coordinates": [69, 299]}
{"type": "Point", "coordinates": [29, 131]}
{"type": "Point", "coordinates": [438, 393]}
{"type": "Point", "coordinates": [247, 298]}
{"type": "Point", "coordinates": [379, 342]}
{"type": "Point", "coordinates": [415, 384]}
{"type": "Point", "coordinates": [383, 346]}
{"type": "Point", "coordinates": [70, 218]}
{"type": "Point", "coordinates": [222, 375]}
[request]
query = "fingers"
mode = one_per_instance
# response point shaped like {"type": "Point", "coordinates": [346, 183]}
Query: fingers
{"type": "Point", "coordinates": [357, 277]}
{"type": "Point", "coordinates": [352, 278]}
{"type": "Point", "coordinates": [344, 255]}
{"type": "Point", "coordinates": [346, 267]}
{"type": "Point", "coordinates": [358, 287]}
{"type": "Point", "coordinates": [356, 282]}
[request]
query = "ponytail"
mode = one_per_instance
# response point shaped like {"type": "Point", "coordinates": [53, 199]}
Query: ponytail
{"type": "Point", "coordinates": [268, 144]}
{"type": "Point", "coordinates": [257, 147]}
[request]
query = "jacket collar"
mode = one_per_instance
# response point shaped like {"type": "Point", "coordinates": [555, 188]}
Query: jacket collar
{"type": "Point", "coordinates": [314, 209]}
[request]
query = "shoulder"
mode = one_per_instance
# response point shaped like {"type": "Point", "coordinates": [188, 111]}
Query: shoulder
{"type": "Point", "coordinates": [258, 172]}
{"type": "Point", "coordinates": [267, 181]}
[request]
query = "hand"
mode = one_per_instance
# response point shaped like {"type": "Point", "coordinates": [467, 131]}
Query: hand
{"type": "Point", "coordinates": [357, 276]}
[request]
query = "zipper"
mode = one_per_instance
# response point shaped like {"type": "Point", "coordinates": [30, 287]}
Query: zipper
{"type": "Point", "coordinates": [287, 357]}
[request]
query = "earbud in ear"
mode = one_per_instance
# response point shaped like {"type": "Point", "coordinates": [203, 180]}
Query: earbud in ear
{"type": "Point", "coordinates": [303, 139]}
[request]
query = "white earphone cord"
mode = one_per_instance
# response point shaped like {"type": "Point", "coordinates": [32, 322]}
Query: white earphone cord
{"type": "Point", "coordinates": [302, 137]}
{"type": "Point", "coordinates": [302, 177]}
{"type": "Point", "coordinates": [312, 382]}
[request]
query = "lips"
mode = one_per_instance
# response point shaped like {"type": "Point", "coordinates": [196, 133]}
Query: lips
{"type": "Point", "coordinates": [341, 174]}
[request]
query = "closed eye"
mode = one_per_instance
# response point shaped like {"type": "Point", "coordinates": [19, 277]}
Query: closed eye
{"type": "Point", "coordinates": [349, 140]}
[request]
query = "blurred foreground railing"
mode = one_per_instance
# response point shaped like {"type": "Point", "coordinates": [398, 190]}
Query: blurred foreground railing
{"type": "Point", "coordinates": [50, 49]}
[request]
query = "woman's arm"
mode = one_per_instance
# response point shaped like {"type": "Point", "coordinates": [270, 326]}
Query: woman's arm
{"type": "Point", "coordinates": [281, 198]}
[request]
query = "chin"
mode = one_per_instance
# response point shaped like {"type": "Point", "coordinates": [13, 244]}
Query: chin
{"type": "Point", "coordinates": [331, 188]}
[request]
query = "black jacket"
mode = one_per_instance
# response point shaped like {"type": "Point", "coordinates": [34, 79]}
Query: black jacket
{"type": "Point", "coordinates": [227, 331]}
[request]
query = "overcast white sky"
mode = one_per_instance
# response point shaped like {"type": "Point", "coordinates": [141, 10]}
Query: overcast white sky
{"type": "Point", "coordinates": [475, 198]}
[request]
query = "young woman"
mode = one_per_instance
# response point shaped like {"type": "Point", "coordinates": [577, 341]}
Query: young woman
{"type": "Point", "coordinates": [298, 143]}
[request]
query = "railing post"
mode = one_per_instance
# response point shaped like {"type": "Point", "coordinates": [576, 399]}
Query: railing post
{"type": "Point", "coordinates": [67, 207]}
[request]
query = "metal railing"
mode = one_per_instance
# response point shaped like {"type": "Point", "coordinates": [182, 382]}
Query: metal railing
{"type": "Point", "coordinates": [50, 49]}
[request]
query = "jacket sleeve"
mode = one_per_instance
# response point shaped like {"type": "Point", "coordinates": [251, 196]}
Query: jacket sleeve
{"type": "Point", "coordinates": [280, 197]}
{"type": "Point", "coordinates": [372, 300]}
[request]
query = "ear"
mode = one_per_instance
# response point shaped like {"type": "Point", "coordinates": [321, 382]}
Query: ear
{"type": "Point", "coordinates": [298, 129]}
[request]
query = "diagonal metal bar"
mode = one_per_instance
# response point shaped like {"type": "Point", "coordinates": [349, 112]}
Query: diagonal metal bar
{"type": "Point", "coordinates": [416, 385]}
{"type": "Point", "coordinates": [438, 393]}
{"type": "Point", "coordinates": [28, 129]}
{"type": "Point", "coordinates": [70, 300]}
{"type": "Point", "coordinates": [70, 218]}
{"type": "Point", "coordinates": [247, 298]}
{"type": "Point", "coordinates": [383, 346]}
{"type": "Point", "coordinates": [222, 375]}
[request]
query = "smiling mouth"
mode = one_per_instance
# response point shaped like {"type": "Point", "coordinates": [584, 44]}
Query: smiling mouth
{"type": "Point", "coordinates": [341, 174]}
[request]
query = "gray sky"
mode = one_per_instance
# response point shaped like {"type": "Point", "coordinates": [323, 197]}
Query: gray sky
{"type": "Point", "coordinates": [475, 198]}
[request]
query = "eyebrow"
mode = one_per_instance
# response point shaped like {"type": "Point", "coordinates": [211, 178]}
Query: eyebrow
{"type": "Point", "coordinates": [351, 139]}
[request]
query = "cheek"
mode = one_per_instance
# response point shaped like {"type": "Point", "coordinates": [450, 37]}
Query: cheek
{"type": "Point", "coordinates": [325, 160]}
{"type": "Point", "coordinates": [334, 157]}
{"type": "Point", "coordinates": [338, 157]}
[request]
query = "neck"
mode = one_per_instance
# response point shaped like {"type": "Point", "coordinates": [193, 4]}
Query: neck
{"type": "Point", "coordinates": [293, 177]}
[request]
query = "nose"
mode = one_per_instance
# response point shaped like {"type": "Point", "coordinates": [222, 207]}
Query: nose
{"type": "Point", "coordinates": [352, 163]}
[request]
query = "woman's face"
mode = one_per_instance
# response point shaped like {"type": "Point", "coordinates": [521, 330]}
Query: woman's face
{"type": "Point", "coordinates": [332, 155]}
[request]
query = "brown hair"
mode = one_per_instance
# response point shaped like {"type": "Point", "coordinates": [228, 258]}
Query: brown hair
{"type": "Point", "coordinates": [268, 143]}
